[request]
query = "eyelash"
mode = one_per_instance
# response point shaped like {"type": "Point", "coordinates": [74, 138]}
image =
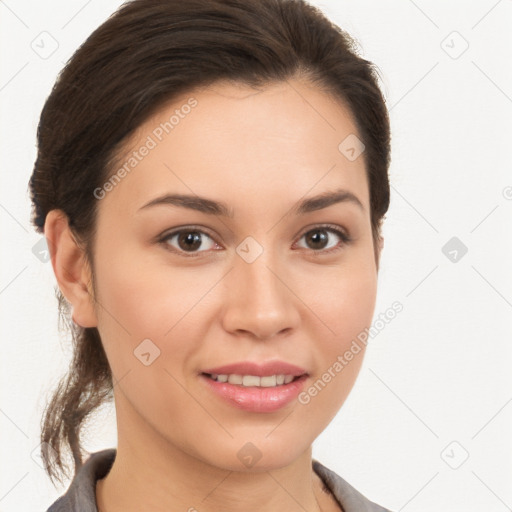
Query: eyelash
{"type": "Point", "coordinates": [344, 237]}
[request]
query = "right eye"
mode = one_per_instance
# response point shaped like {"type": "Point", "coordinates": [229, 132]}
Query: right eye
{"type": "Point", "coordinates": [191, 241]}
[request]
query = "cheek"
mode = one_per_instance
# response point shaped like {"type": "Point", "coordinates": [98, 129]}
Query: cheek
{"type": "Point", "coordinates": [343, 309]}
{"type": "Point", "coordinates": [342, 301]}
{"type": "Point", "coordinates": [145, 295]}
{"type": "Point", "coordinates": [148, 322]}
{"type": "Point", "coordinates": [140, 299]}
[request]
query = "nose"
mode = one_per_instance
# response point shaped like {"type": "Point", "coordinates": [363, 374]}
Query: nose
{"type": "Point", "coordinates": [259, 300]}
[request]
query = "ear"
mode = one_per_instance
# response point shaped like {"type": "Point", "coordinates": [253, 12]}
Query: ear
{"type": "Point", "coordinates": [70, 268]}
{"type": "Point", "coordinates": [379, 251]}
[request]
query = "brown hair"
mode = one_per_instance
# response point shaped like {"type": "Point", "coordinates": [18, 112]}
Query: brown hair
{"type": "Point", "coordinates": [147, 53]}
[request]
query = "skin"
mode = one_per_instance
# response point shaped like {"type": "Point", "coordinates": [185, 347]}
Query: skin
{"type": "Point", "coordinates": [259, 152]}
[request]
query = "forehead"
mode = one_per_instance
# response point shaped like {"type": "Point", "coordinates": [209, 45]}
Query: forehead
{"type": "Point", "coordinates": [230, 141]}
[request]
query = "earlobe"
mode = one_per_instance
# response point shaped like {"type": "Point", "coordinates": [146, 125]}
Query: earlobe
{"type": "Point", "coordinates": [70, 267]}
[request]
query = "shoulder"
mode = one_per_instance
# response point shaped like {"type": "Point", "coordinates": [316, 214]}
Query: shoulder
{"type": "Point", "coordinates": [81, 494]}
{"type": "Point", "coordinates": [349, 499]}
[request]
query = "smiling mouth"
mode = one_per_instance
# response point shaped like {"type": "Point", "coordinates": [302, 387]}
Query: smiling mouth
{"type": "Point", "coordinates": [268, 381]}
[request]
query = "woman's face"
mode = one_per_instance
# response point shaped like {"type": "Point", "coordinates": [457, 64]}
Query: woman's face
{"type": "Point", "coordinates": [235, 272]}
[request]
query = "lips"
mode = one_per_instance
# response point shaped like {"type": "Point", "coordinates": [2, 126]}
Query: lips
{"type": "Point", "coordinates": [254, 387]}
{"type": "Point", "coordinates": [243, 390]}
{"type": "Point", "coordinates": [256, 399]}
{"type": "Point", "coordinates": [257, 369]}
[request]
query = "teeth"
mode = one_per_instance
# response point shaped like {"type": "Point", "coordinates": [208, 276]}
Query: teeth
{"type": "Point", "coordinates": [235, 379]}
{"type": "Point", "coordinates": [250, 380]}
{"type": "Point", "coordinates": [253, 380]}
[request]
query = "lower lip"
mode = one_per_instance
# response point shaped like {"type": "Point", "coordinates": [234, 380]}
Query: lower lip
{"type": "Point", "coordinates": [257, 399]}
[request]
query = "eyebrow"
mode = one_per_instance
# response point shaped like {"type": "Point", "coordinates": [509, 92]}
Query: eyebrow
{"type": "Point", "coordinates": [211, 207]}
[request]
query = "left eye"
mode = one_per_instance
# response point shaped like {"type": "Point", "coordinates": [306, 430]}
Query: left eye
{"type": "Point", "coordinates": [322, 238]}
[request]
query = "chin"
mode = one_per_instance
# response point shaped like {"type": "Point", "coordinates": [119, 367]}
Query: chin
{"type": "Point", "coordinates": [256, 454]}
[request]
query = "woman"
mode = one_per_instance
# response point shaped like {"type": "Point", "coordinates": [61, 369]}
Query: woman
{"type": "Point", "coordinates": [211, 178]}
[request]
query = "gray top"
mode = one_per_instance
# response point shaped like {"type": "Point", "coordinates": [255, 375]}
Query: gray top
{"type": "Point", "coordinates": [81, 494]}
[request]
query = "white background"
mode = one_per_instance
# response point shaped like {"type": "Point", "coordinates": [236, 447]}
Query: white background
{"type": "Point", "coordinates": [440, 371]}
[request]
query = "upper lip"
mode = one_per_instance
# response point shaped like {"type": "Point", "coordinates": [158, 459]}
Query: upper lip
{"type": "Point", "coordinates": [258, 369]}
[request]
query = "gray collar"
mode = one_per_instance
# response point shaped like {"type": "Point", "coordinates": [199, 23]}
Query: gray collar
{"type": "Point", "coordinates": [81, 494]}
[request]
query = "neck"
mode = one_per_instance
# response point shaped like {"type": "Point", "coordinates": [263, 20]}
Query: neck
{"type": "Point", "coordinates": [150, 473]}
